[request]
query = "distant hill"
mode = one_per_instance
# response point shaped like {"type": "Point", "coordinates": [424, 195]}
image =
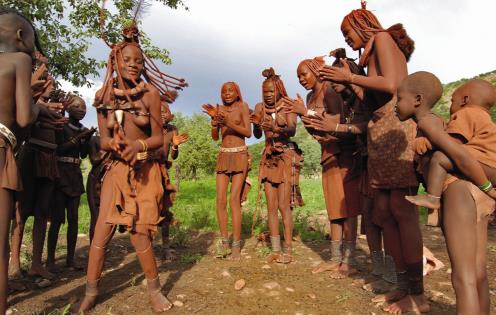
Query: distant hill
{"type": "Point", "coordinates": [442, 107]}
{"type": "Point", "coordinates": [311, 149]}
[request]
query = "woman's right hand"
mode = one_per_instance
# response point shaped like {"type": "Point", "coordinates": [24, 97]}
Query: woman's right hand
{"type": "Point", "coordinates": [296, 106]}
{"type": "Point", "coordinates": [255, 119]}
{"type": "Point", "coordinates": [117, 141]}
{"type": "Point", "coordinates": [210, 110]}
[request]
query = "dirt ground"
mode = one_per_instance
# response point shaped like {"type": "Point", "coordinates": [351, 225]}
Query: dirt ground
{"type": "Point", "coordinates": [207, 287]}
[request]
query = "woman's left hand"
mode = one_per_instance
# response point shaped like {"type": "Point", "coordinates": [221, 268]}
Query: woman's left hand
{"type": "Point", "coordinates": [179, 139]}
{"type": "Point", "coordinates": [131, 149]}
{"type": "Point", "coordinates": [326, 123]}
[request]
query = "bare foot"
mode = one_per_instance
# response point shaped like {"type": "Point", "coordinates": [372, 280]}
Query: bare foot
{"type": "Point", "coordinates": [235, 253]}
{"type": "Point", "coordinates": [53, 268]}
{"type": "Point", "coordinates": [16, 286]}
{"type": "Point", "coordinates": [42, 272]}
{"type": "Point", "coordinates": [74, 266]}
{"type": "Point", "coordinates": [411, 303]}
{"type": "Point", "coordinates": [285, 258]}
{"type": "Point", "coordinates": [159, 302]}
{"type": "Point", "coordinates": [378, 287]}
{"type": "Point", "coordinates": [326, 266]}
{"type": "Point", "coordinates": [15, 273]}
{"type": "Point", "coordinates": [222, 250]}
{"type": "Point", "coordinates": [428, 201]}
{"type": "Point", "coordinates": [391, 296]}
{"type": "Point", "coordinates": [83, 306]}
{"type": "Point", "coordinates": [273, 257]}
{"type": "Point", "coordinates": [344, 271]}
{"type": "Point", "coordinates": [365, 280]}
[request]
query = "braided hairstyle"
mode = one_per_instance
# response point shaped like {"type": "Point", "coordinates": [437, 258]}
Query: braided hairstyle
{"type": "Point", "coordinates": [5, 11]}
{"type": "Point", "coordinates": [271, 76]}
{"type": "Point", "coordinates": [165, 84]}
{"type": "Point", "coordinates": [366, 24]}
{"type": "Point", "coordinates": [314, 65]}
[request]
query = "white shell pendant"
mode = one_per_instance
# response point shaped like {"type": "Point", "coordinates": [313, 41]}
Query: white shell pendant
{"type": "Point", "coordinates": [119, 114]}
{"type": "Point", "coordinates": [273, 115]}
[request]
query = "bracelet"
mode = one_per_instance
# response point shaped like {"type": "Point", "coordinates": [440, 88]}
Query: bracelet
{"type": "Point", "coordinates": [144, 146]}
{"type": "Point", "coordinates": [350, 128]}
{"type": "Point", "coordinates": [336, 130]}
{"type": "Point", "coordinates": [487, 186]}
{"type": "Point", "coordinates": [140, 156]}
{"type": "Point", "coordinates": [311, 112]}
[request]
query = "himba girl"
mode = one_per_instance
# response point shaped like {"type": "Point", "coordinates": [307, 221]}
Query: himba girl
{"type": "Point", "coordinates": [280, 163]}
{"type": "Point", "coordinates": [341, 159]}
{"type": "Point", "coordinates": [390, 156]}
{"type": "Point", "coordinates": [128, 111]}
{"type": "Point", "coordinates": [231, 121]}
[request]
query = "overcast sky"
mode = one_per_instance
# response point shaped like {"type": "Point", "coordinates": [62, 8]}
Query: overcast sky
{"type": "Point", "coordinates": [226, 40]}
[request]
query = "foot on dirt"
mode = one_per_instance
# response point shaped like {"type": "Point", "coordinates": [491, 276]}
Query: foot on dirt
{"type": "Point", "coordinates": [284, 258]}
{"type": "Point", "coordinates": [15, 274]}
{"type": "Point", "coordinates": [326, 266]}
{"type": "Point", "coordinates": [235, 253]}
{"type": "Point", "coordinates": [158, 301]}
{"type": "Point", "coordinates": [168, 254]}
{"type": "Point", "coordinates": [409, 304]}
{"type": "Point", "coordinates": [222, 249]}
{"type": "Point", "coordinates": [273, 257]}
{"type": "Point", "coordinates": [344, 271]}
{"type": "Point", "coordinates": [41, 272]}
{"type": "Point", "coordinates": [16, 286]}
{"type": "Point", "coordinates": [88, 300]}
{"type": "Point", "coordinates": [53, 268]}
{"type": "Point", "coordinates": [391, 296]}
{"type": "Point", "coordinates": [428, 201]}
{"type": "Point", "coordinates": [74, 266]}
{"type": "Point", "coordinates": [365, 280]}
{"type": "Point", "coordinates": [378, 287]}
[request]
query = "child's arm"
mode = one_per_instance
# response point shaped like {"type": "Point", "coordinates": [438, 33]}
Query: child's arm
{"type": "Point", "coordinates": [26, 111]}
{"type": "Point", "coordinates": [467, 165]}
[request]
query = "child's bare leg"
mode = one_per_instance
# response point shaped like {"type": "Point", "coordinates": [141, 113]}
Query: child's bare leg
{"type": "Point", "coordinates": [461, 236]}
{"type": "Point", "coordinates": [481, 267]}
{"type": "Point", "coordinates": [406, 216]}
{"type": "Point", "coordinates": [39, 232]}
{"type": "Point", "coordinates": [273, 221]}
{"type": "Point", "coordinates": [167, 251]}
{"type": "Point", "coordinates": [16, 242]}
{"type": "Point", "coordinates": [6, 207]}
{"type": "Point", "coordinates": [53, 236]}
{"type": "Point", "coordinates": [238, 181]}
{"type": "Point", "coordinates": [374, 238]}
{"type": "Point", "coordinates": [439, 166]}
{"type": "Point", "coordinates": [394, 273]}
{"type": "Point", "coordinates": [222, 182]}
{"type": "Point", "coordinates": [490, 173]}
{"type": "Point", "coordinates": [72, 232]}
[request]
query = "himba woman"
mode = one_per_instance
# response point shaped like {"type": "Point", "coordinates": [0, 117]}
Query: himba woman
{"type": "Point", "coordinates": [232, 120]}
{"type": "Point", "coordinates": [280, 163]}
{"type": "Point", "coordinates": [341, 158]}
{"type": "Point", "coordinates": [390, 158]}
{"type": "Point", "coordinates": [128, 110]}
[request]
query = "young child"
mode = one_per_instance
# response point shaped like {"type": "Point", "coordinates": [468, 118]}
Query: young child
{"type": "Point", "coordinates": [465, 207]}
{"type": "Point", "coordinates": [73, 144]}
{"type": "Point", "coordinates": [17, 43]}
{"type": "Point", "coordinates": [472, 126]}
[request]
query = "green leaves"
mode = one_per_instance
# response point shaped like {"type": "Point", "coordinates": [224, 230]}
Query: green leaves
{"type": "Point", "coordinates": [67, 29]}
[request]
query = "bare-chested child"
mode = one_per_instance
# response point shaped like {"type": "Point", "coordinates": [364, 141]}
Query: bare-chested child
{"type": "Point", "coordinates": [465, 207]}
{"type": "Point", "coordinates": [472, 126]}
{"type": "Point", "coordinates": [17, 44]}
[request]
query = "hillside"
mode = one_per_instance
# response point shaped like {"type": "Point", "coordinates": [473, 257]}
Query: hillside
{"type": "Point", "coordinates": [442, 107]}
{"type": "Point", "coordinates": [311, 148]}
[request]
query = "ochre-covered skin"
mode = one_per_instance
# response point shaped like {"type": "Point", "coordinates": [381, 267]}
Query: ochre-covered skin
{"type": "Point", "coordinates": [231, 123]}
{"type": "Point", "coordinates": [280, 163]}
{"type": "Point", "coordinates": [17, 41]}
{"type": "Point", "coordinates": [389, 145]}
{"type": "Point", "coordinates": [129, 120]}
